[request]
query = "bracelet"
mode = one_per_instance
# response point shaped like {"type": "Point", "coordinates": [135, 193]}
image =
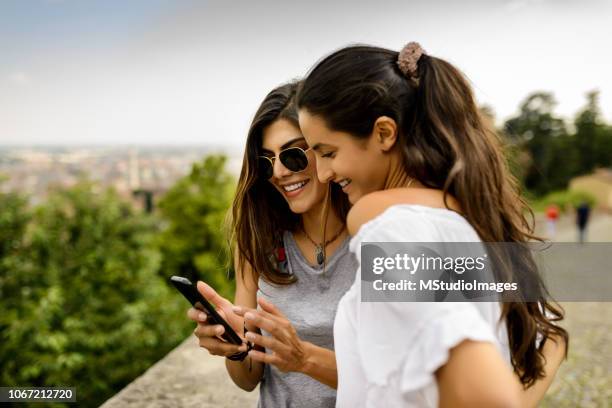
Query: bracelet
{"type": "Point", "coordinates": [241, 355]}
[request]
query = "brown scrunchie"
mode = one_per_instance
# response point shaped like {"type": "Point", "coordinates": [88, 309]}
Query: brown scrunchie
{"type": "Point", "coordinates": [408, 58]}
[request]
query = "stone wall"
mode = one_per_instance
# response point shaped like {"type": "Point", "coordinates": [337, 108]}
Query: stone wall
{"type": "Point", "coordinates": [187, 377]}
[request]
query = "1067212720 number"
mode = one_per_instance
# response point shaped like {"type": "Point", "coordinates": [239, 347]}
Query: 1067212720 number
{"type": "Point", "coordinates": [37, 394]}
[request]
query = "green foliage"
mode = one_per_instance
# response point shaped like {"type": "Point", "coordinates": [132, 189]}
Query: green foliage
{"type": "Point", "coordinates": [192, 241]}
{"type": "Point", "coordinates": [547, 155]}
{"type": "Point", "coordinates": [593, 137]}
{"type": "Point", "coordinates": [565, 200]}
{"type": "Point", "coordinates": [544, 138]}
{"type": "Point", "coordinates": [14, 217]}
{"type": "Point", "coordinates": [83, 297]}
{"type": "Point", "coordinates": [82, 302]}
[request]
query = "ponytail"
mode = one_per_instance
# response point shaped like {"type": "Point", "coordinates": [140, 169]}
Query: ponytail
{"type": "Point", "coordinates": [479, 178]}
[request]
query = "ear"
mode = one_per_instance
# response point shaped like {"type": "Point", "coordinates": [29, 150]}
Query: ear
{"type": "Point", "coordinates": [385, 133]}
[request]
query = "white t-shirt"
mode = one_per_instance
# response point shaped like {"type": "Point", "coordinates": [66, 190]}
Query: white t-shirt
{"type": "Point", "coordinates": [387, 353]}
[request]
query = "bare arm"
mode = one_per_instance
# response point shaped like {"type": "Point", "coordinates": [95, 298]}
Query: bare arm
{"type": "Point", "coordinates": [477, 376]}
{"type": "Point", "coordinates": [554, 353]}
{"type": "Point", "coordinates": [321, 365]}
{"type": "Point", "coordinates": [247, 373]}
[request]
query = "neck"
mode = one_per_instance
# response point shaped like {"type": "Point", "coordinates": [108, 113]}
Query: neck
{"type": "Point", "coordinates": [313, 221]}
{"type": "Point", "coordinates": [397, 177]}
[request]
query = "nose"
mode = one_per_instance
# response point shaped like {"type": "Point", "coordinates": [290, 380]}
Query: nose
{"type": "Point", "coordinates": [280, 170]}
{"type": "Point", "coordinates": [324, 171]}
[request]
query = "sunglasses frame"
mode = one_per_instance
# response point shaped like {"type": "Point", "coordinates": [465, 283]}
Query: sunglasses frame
{"type": "Point", "coordinates": [273, 158]}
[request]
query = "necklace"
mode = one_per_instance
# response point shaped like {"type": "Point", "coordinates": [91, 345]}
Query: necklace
{"type": "Point", "coordinates": [320, 248]}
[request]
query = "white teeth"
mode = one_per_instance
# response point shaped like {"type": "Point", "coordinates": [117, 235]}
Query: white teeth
{"type": "Point", "coordinates": [344, 182]}
{"type": "Point", "coordinates": [293, 187]}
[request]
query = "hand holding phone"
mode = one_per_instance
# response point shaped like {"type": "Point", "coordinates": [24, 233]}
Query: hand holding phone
{"type": "Point", "coordinates": [199, 302]}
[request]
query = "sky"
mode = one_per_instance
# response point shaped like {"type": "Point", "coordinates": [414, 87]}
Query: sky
{"type": "Point", "coordinates": [193, 72]}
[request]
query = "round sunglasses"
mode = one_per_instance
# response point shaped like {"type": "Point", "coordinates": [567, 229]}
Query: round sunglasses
{"type": "Point", "coordinates": [293, 158]}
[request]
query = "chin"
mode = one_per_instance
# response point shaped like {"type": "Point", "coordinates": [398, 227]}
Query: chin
{"type": "Point", "coordinates": [299, 207]}
{"type": "Point", "coordinates": [354, 197]}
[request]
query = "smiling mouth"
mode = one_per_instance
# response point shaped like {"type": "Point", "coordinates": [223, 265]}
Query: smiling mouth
{"type": "Point", "coordinates": [345, 182]}
{"type": "Point", "coordinates": [295, 186]}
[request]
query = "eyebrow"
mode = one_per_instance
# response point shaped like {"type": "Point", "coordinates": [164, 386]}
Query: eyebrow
{"type": "Point", "coordinates": [317, 147]}
{"type": "Point", "coordinates": [286, 145]}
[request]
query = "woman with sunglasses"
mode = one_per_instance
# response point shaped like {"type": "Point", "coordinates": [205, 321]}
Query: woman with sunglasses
{"type": "Point", "coordinates": [291, 255]}
{"type": "Point", "coordinates": [402, 135]}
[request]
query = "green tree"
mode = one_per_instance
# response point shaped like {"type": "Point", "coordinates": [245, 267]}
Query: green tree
{"type": "Point", "coordinates": [518, 160]}
{"type": "Point", "coordinates": [84, 305]}
{"type": "Point", "coordinates": [593, 139]}
{"type": "Point", "coordinates": [536, 130]}
{"type": "Point", "coordinates": [14, 219]}
{"type": "Point", "coordinates": [192, 241]}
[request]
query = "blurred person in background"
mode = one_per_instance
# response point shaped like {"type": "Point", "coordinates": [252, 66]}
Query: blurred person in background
{"type": "Point", "coordinates": [582, 219]}
{"type": "Point", "coordinates": [552, 214]}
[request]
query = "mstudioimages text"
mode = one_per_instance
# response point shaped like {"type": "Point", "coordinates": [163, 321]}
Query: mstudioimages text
{"type": "Point", "coordinates": [439, 285]}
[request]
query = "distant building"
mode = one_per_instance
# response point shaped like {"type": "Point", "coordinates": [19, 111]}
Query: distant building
{"type": "Point", "coordinates": [599, 184]}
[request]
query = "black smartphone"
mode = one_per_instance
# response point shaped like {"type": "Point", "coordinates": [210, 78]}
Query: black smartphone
{"type": "Point", "coordinates": [190, 291]}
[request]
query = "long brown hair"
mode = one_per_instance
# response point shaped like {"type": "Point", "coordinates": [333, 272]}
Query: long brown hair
{"type": "Point", "coordinates": [259, 213]}
{"type": "Point", "coordinates": [446, 145]}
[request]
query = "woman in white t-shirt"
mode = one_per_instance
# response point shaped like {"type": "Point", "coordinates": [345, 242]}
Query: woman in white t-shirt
{"type": "Point", "coordinates": [402, 135]}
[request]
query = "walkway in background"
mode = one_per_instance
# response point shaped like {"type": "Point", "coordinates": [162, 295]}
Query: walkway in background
{"type": "Point", "coordinates": [599, 228]}
{"type": "Point", "coordinates": [585, 379]}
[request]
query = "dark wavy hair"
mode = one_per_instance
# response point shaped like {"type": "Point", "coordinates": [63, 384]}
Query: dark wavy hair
{"type": "Point", "coordinates": [259, 213]}
{"type": "Point", "coordinates": [446, 145]}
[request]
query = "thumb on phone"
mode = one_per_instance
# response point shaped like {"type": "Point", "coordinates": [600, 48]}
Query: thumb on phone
{"type": "Point", "coordinates": [223, 306]}
{"type": "Point", "coordinates": [212, 296]}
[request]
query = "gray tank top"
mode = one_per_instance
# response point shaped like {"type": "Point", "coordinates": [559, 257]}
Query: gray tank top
{"type": "Point", "coordinates": [310, 305]}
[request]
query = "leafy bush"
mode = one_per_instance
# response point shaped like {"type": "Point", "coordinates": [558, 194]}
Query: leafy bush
{"type": "Point", "coordinates": [192, 241]}
{"type": "Point", "coordinates": [82, 302]}
{"type": "Point", "coordinates": [566, 200]}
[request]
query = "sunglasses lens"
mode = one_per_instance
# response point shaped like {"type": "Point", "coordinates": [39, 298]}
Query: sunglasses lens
{"type": "Point", "coordinates": [294, 159]}
{"type": "Point", "coordinates": [265, 168]}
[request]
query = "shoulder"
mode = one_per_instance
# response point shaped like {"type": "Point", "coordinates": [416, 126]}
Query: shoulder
{"type": "Point", "coordinates": [367, 208]}
{"type": "Point", "coordinates": [374, 204]}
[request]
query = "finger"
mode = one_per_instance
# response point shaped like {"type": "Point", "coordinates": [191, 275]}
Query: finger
{"type": "Point", "coordinates": [241, 311]}
{"type": "Point", "coordinates": [257, 319]}
{"type": "Point", "coordinates": [217, 347]}
{"type": "Point", "coordinates": [196, 315]}
{"type": "Point", "coordinates": [270, 308]}
{"type": "Point", "coordinates": [212, 296]}
{"type": "Point", "coordinates": [207, 330]}
{"type": "Point", "coordinates": [264, 357]}
{"type": "Point", "coordinates": [268, 342]}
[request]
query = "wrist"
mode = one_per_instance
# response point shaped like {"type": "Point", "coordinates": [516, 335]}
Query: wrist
{"type": "Point", "coordinates": [309, 357]}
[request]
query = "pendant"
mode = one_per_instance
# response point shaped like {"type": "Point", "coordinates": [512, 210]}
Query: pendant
{"type": "Point", "coordinates": [319, 255]}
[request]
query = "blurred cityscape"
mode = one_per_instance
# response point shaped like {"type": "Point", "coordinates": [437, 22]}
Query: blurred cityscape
{"type": "Point", "coordinates": [39, 170]}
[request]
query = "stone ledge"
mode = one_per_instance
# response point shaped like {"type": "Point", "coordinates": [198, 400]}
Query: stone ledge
{"type": "Point", "coordinates": [187, 377]}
